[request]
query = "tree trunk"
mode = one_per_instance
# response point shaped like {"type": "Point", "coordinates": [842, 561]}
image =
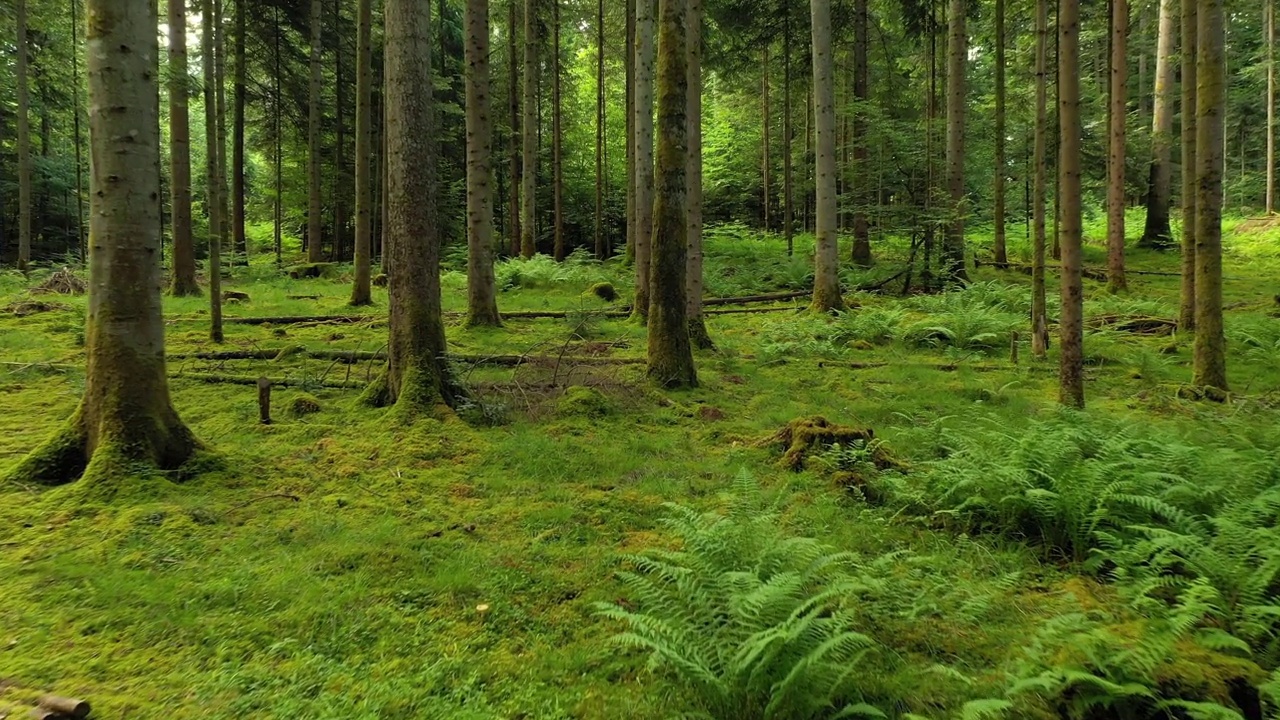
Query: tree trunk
{"type": "Point", "coordinates": [645, 60]}
{"type": "Point", "coordinates": [999, 250]}
{"type": "Point", "coordinates": [698, 334]}
{"type": "Point", "coordinates": [1209, 357]}
{"type": "Point", "coordinates": [482, 304]}
{"type": "Point", "coordinates": [1269, 42]}
{"type": "Point", "coordinates": [528, 195]}
{"type": "Point", "coordinates": [788, 181]}
{"type": "Point", "coordinates": [1157, 233]}
{"type": "Point", "coordinates": [75, 94]}
{"type": "Point", "coordinates": [220, 73]}
{"type": "Point", "coordinates": [826, 277]}
{"type": "Point", "coordinates": [361, 292]}
{"type": "Point", "coordinates": [1071, 328]}
{"type": "Point", "coordinates": [125, 417]}
{"type": "Point", "coordinates": [1115, 164]}
{"type": "Point", "coordinates": [314, 207]}
{"type": "Point", "coordinates": [278, 129]}
{"type": "Point", "coordinates": [213, 155]}
{"type": "Point", "coordinates": [557, 161]}
{"type": "Point", "coordinates": [930, 185]}
{"type": "Point", "coordinates": [670, 352]}
{"type": "Point", "coordinates": [957, 58]}
{"type": "Point", "coordinates": [601, 248]}
{"type": "Point", "coordinates": [1039, 317]}
{"type": "Point", "coordinates": [630, 67]}
{"type": "Point", "coordinates": [24, 143]}
{"type": "Point", "coordinates": [765, 160]}
{"type": "Point", "coordinates": [184, 259]}
{"type": "Point", "coordinates": [416, 380]}
{"type": "Point", "coordinates": [239, 242]}
{"type": "Point", "coordinates": [861, 253]}
{"type": "Point", "coordinates": [1187, 300]}
{"type": "Point", "coordinates": [513, 137]}
{"type": "Point", "coordinates": [340, 147]}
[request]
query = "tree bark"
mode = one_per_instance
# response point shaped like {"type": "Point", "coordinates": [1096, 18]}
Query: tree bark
{"type": "Point", "coordinates": [826, 278]}
{"type": "Point", "coordinates": [765, 160]}
{"type": "Point", "coordinates": [24, 142]}
{"type": "Point", "coordinates": [340, 147]}
{"type": "Point", "coordinates": [1071, 328]}
{"type": "Point", "coordinates": [75, 94]}
{"type": "Point", "coordinates": [184, 259]}
{"type": "Point", "coordinates": [788, 180]}
{"type": "Point", "coordinates": [957, 59]}
{"type": "Point", "coordinates": [213, 155]}
{"type": "Point", "coordinates": [482, 304]}
{"type": "Point", "coordinates": [125, 417]}
{"type": "Point", "coordinates": [238, 240]}
{"type": "Point", "coordinates": [416, 380]}
{"type": "Point", "coordinates": [1157, 233]}
{"type": "Point", "coordinates": [1039, 319]}
{"type": "Point", "coordinates": [601, 246]}
{"type": "Point", "coordinates": [644, 66]}
{"type": "Point", "coordinates": [670, 353]}
{"type": "Point", "coordinates": [1000, 250]}
{"type": "Point", "coordinates": [1269, 42]}
{"type": "Point", "coordinates": [314, 208]}
{"type": "Point", "coordinates": [513, 137]}
{"type": "Point", "coordinates": [698, 334]}
{"type": "Point", "coordinates": [630, 68]}
{"type": "Point", "coordinates": [1187, 300]}
{"type": "Point", "coordinates": [861, 253]}
{"type": "Point", "coordinates": [557, 160]}
{"type": "Point", "coordinates": [529, 131]}
{"type": "Point", "coordinates": [220, 73]}
{"type": "Point", "coordinates": [277, 101]}
{"type": "Point", "coordinates": [1209, 357]}
{"type": "Point", "coordinates": [1116, 157]}
{"type": "Point", "coordinates": [361, 290]}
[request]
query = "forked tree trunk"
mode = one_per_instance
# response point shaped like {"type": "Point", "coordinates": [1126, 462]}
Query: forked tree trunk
{"type": "Point", "coordinates": [557, 160]}
{"type": "Point", "coordinates": [125, 418]}
{"type": "Point", "coordinates": [861, 253]}
{"type": "Point", "coordinates": [1071, 329]}
{"type": "Point", "coordinates": [1157, 233]}
{"type": "Point", "coordinates": [1000, 250]}
{"type": "Point", "coordinates": [184, 258]}
{"type": "Point", "coordinates": [361, 291]}
{"type": "Point", "coordinates": [482, 304]}
{"type": "Point", "coordinates": [698, 334]}
{"type": "Point", "coordinates": [513, 137]}
{"type": "Point", "coordinates": [1039, 319]}
{"type": "Point", "coordinates": [238, 239]}
{"type": "Point", "coordinates": [1209, 357]}
{"type": "Point", "coordinates": [24, 143]}
{"type": "Point", "coordinates": [1115, 163]}
{"type": "Point", "coordinates": [670, 352]}
{"type": "Point", "coordinates": [416, 380]}
{"type": "Point", "coordinates": [645, 59]}
{"type": "Point", "coordinates": [957, 59]}
{"type": "Point", "coordinates": [826, 278]}
{"type": "Point", "coordinates": [315, 234]}
{"type": "Point", "coordinates": [1187, 300]}
{"type": "Point", "coordinates": [213, 158]}
{"type": "Point", "coordinates": [529, 132]}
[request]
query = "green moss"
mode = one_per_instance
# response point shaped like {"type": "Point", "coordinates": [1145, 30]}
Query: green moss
{"type": "Point", "coordinates": [603, 290]}
{"type": "Point", "coordinates": [579, 401]}
{"type": "Point", "coordinates": [302, 405]}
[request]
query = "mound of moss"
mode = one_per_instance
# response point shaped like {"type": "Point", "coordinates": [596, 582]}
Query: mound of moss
{"type": "Point", "coordinates": [304, 405]}
{"type": "Point", "coordinates": [581, 401]}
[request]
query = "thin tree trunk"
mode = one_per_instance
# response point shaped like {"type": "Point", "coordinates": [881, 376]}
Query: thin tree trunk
{"type": "Point", "coordinates": [930, 116]}
{"type": "Point", "coordinates": [24, 143]}
{"type": "Point", "coordinates": [1187, 301]}
{"type": "Point", "coordinates": [1116, 160]}
{"type": "Point", "coordinates": [212, 171]}
{"type": "Point", "coordinates": [383, 255]}
{"type": "Point", "coordinates": [239, 241]}
{"type": "Point", "coordinates": [999, 250]}
{"type": "Point", "coordinates": [1157, 233]}
{"type": "Point", "coordinates": [482, 304]}
{"type": "Point", "coordinates": [361, 291]}
{"type": "Point", "coordinates": [1209, 357]}
{"type": "Point", "coordinates": [220, 71]}
{"type": "Point", "coordinates": [788, 184]}
{"type": "Point", "coordinates": [698, 334]}
{"type": "Point", "coordinates": [957, 58]}
{"type": "Point", "coordinates": [1039, 318]}
{"type": "Point", "coordinates": [528, 216]}
{"type": "Point", "coordinates": [645, 60]}
{"type": "Point", "coordinates": [670, 353]}
{"type": "Point", "coordinates": [1071, 329]}
{"type": "Point", "coordinates": [1269, 42]}
{"type": "Point", "coordinates": [861, 253]}
{"type": "Point", "coordinates": [601, 248]}
{"type": "Point", "coordinates": [630, 67]}
{"type": "Point", "coordinates": [278, 225]}
{"type": "Point", "coordinates": [340, 148]}
{"type": "Point", "coordinates": [314, 207]}
{"type": "Point", "coordinates": [826, 278]}
{"type": "Point", "coordinates": [184, 259]}
{"type": "Point", "coordinates": [808, 161]}
{"type": "Point", "coordinates": [125, 417]}
{"type": "Point", "coordinates": [765, 160]}
{"type": "Point", "coordinates": [75, 94]}
{"type": "Point", "coordinates": [1144, 32]}
{"type": "Point", "coordinates": [557, 160]}
{"type": "Point", "coordinates": [513, 137]}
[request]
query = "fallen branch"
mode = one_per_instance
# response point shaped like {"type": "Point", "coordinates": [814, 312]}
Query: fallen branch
{"type": "Point", "coordinates": [298, 319]}
{"type": "Point", "coordinates": [769, 297]}
{"type": "Point", "coordinates": [736, 311]}
{"type": "Point", "coordinates": [220, 378]}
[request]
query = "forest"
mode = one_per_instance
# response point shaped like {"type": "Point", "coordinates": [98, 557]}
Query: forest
{"type": "Point", "coordinates": [586, 359]}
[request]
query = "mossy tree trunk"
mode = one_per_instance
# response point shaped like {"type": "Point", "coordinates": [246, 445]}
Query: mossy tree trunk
{"type": "Point", "coordinates": [529, 135]}
{"type": "Point", "coordinates": [125, 417]}
{"type": "Point", "coordinates": [861, 252]}
{"type": "Point", "coordinates": [482, 304]}
{"type": "Point", "coordinates": [213, 171]}
{"type": "Point", "coordinates": [670, 352]}
{"type": "Point", "coordinates": [1209, 358]}
{"type": "Point", "coordinates": [1157, 233]}
{"type": "Point", "coordinates": [315, 251]}
{"type": "Point", "coordinates": [1039, 319]}
{"type": "Point", "coordinates": [24, 141]}
{"type": "Point", "coordinates": [1118, 114]}
{"type": "Point", "coordinates": [416, 378]}
{"type": "Point", "coordinates": [644, 67]}
{"type": "Point", "coordinates": [1071, 332]}
{"type": "Point", "coordinates": [361, 290]}
{"type": "Point", "coordinates": [826, 277]}
{"type": "Point", "coordinates": [957, 60]}
{"type": "Point", "coordinates": [184, 258]}
{"type": "Point", "coordinates": [698, 334]}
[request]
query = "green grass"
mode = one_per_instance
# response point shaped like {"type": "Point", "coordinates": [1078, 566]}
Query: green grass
{"type": "Point", "coordinates": [448, 570]}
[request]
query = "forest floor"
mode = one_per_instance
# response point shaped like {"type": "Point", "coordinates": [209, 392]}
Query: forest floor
{"type": "Point", "coordinates": [333, 564]}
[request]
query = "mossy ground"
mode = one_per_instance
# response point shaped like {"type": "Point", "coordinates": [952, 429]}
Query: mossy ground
{"type": "Point", "coordinates": [335, 564]}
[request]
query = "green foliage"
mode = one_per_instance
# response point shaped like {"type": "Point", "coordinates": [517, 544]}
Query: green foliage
{"type": "Point", "coordinates": [749, 621]}
{"type": "Point", "coordinates": [542, 271]}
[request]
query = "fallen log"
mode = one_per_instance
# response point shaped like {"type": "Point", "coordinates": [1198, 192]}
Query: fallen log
{"type": "Point", "coordinates": [359, 355]}
{"type": "Point", "coordinates": [73, 707]}
{"type": "Point", "coordinates": [737, 311]}
{"type": "Point", "coordinates": [768, 297]}
{"type": "Point", "coordinates": [297, 319]}
{"type": "Point", "coordinates": [220, 378]}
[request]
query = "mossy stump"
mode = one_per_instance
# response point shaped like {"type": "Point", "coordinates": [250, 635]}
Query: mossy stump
{"type": "Point", "coordinates": [803, 436]}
